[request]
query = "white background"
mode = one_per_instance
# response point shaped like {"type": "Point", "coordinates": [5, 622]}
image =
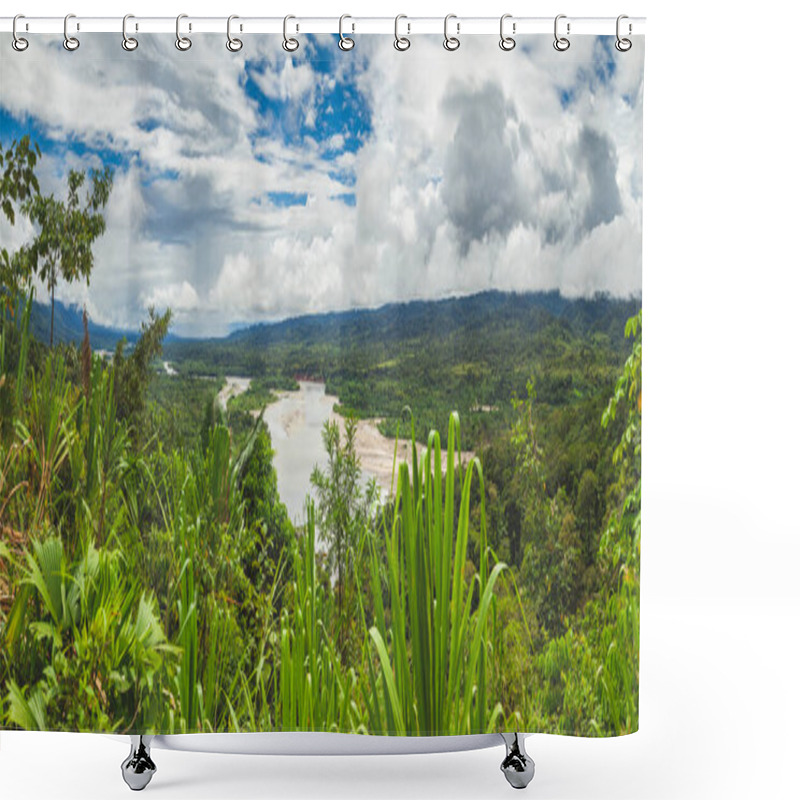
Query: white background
{"type": "Point", "coordinates": [720, 696]}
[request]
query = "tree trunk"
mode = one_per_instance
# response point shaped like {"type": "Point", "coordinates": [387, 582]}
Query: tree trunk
{"type": "Point", "coordinates": [52, 311]}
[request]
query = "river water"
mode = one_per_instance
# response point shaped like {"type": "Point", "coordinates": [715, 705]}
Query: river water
{"type": "Point", "coordinates": [295, 423]}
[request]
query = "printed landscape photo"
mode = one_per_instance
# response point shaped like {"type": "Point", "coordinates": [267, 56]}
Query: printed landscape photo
{"type": "Point", "coordinates": [320, 386]}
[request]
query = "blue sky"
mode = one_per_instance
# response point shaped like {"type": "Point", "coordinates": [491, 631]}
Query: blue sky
{"type": "Point", "coordinates": [261, 185]}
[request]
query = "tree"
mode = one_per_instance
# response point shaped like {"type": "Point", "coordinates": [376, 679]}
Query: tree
{"type": "Point", "coordinates": [264, 513]}
{"type": "Point", "coordinates": [344, 511]}
{"type": "Point", "coordinates": [18, 184]}
{"type": "Point", "coordinates": [588, 511]}
{"type": "Point", "coordinates": [621, 542]}
{"type": "Point", "coordinates": [67, 230]}
{"type": "Point", "coordinates": [591, 672]}
{"type": "Point", "coordinates": [528, 482]}
{"type": "Point", "coordinates": [132, 374]}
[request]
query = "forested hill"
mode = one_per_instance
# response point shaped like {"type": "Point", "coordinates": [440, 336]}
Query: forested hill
{"type": "Point", "coordinates": [472, 354]}
{"type": "Point", "coordinates": [69, 327]}
{"type": "Point", "coordinates": [439, 318]}
{"type": "Point", "coordinates": [504, 331]}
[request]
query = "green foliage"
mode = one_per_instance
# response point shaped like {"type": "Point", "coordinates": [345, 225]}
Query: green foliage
{"type": "Point", "coordinates": [132, 374]}
{"type": "Point", "coordinates": [345, 509]}
{"type": "Point", "coordinates": [66, 231]}
{"type": "Point", "coordinates": [628, 393]}
{"type": "Point", "coordinates": [150, 578]}
{"type": "Point", "coordinates": [18, 181]}
{"type": "Point", "coordinates": [181, 408]}
{"type": "Point", "coordinates": [433, 652]}
{"type": "Point", "coordinates": [264, 514]}
{"type": "Point", "coordinates": [443, 637]}
{"type": "Point", "coordinates": [258, 395]}
{"type": "Point", "coordinates": [18, 185]}
{"type": "Point", "coordinates": [314, 687]}
{"type": "Point", "coordinates": [99, 455]}
{"type": "Point", "coordinates": [601, 694]}
{"type": "Point", "coordinates": [14, 344]}
{"type": "Point", "coordinates": [90, 649]}
{"type": "Point", "coordinates": [433, 357]}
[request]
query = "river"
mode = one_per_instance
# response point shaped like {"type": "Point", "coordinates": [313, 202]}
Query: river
{"type": "Point", "coordinates": [295, 423]}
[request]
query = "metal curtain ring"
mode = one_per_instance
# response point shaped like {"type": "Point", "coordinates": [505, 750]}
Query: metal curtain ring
{"type": "Point", "coordinates": [289, 44]}
{"type": "Point", "coordinates": [128, 42]}
{"type": "Point", "coordinates": [623, 44]}
{"type": "Point", "coordinates": [507, 42]}
{"type": "Point", "coordinates": [401, 43]}
{"type": "Point", "coordinates": [233, 44]}
{"type": "Point", "coordinates": [18, 42]}
{"type": "Point", "coordinates": [451, 42]}
{"type": "Point", "coordinates": [561, 43]}
{"type": "Point", "coordinates": [345, 42]}
{"type": "Point", "coordinates": [183, 43]}
{"type": "Point", "coordinates": [71, 43]}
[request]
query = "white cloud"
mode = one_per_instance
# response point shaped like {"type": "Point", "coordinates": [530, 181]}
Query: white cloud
{"type": "Point", "coordinates": [473, 174]}
{"type": "Point", "coordinates": [287, 81]}
{"type": "Point", "coordinates": [180, 297]}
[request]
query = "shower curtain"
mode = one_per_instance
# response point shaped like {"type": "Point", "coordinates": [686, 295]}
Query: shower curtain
{"type": "Point", "coordinates": [320, 385]}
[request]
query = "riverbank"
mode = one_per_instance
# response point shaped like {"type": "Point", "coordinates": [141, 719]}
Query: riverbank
{"type": "Point", "coordinates": [233, 388]}
{"type": "Point", "coordinates": [295, 420]}
{"type": "Point", "coordinates": [377, 452]}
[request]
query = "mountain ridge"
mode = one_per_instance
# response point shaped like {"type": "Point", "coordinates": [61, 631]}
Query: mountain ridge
{"type": "Point", "coordinates": [392, 319]}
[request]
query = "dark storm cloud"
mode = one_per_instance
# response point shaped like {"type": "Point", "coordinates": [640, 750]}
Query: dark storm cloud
{"type": "Point", "coordinates": [598, 156]}
{"type": "Point", "coordinates": [479, 188]}
{"type": "Point", "coordinates": [489, 187]}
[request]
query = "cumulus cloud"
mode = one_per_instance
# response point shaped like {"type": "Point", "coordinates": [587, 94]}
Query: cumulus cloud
{"type": "Point", "coordinates": [419, 174]}
{"type": "Point", "coordinates": [287, 81]}
{"type": "Point", "coordinates": [480, 185]}
{"type": "Point", "coordinates": [180, 297]}
{"type": "Point", "coordinates": [598, 157]}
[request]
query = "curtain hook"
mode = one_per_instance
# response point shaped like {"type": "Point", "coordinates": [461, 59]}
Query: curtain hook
{"type": "Point", "coordinates": [18, 42]}
{"type": "Point", "coordinates": [345, 42]}
{"type": "Point", "coordinates": [561, 43]}
{"type": "Point", "coordinates": [401, 43]}
{"type": "Point", "coordinates": [233, 44]}
{"type": "Point", "coordinates": [451, 42]}
{"type": "Point", "coordinates": [507, 43]}
{"type": "Point", "coordinates": [623, 44]}
{"type": "Point", "coordinates": [183, 43]}
{"type": "Point", "coordinates": [289, 44]}
{"type": "Point", "coordinates": [71, 43]}
{"type": "Point", "coordinates": [128, 42]}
